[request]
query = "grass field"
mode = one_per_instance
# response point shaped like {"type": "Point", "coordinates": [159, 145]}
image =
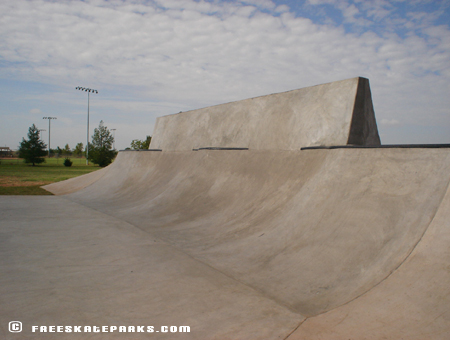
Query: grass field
{"type": "Point", "coordinates": [19, 178]}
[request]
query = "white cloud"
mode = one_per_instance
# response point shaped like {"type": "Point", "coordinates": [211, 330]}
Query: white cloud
{"type": "Point", "coordinates": [349, 12]}
{"type": "Point", "coordinates": [282, 9]}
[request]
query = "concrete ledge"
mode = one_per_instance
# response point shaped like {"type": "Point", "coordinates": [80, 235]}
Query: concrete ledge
{"type": "Point", "coordinates": [330, 114]}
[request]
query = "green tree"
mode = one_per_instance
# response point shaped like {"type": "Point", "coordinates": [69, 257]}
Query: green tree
{"type": "Point", "coordinates": [100, 151]}
{"type": "Point", "coordinates": [78, 151]}
{"type": "Point", "coordinates": [33, 149]}
{"type": "Point", "coordinates": [137, 144]}
{"type": "Point", "coordinates": [58, 152]}
{"type": "Point", "coordinates": [67, 151]}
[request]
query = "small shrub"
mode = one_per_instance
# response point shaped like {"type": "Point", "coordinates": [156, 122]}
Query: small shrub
{"type": "Point", "coordinates": [68, 162]}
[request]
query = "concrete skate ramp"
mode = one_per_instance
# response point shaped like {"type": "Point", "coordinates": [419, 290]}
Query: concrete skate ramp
{"type": "Point", "coordinates": [332, 243]}
{"type": "Point", "coordinates": [345, 232]}
{"type": "Point", "coordinates": [336, 113]}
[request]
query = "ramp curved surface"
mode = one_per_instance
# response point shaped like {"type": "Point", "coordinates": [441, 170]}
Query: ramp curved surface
{"type": "Point", "coordinates": [311, 230]}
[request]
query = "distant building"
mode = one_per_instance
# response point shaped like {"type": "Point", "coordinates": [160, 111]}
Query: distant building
{"type": "Point", "coordinates": [5, 151]}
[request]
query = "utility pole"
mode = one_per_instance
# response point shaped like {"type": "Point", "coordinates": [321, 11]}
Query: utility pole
{"type": "Point", "coordinates": [49, 120]}
{"type": "Point", "coordinates": [88, 90]}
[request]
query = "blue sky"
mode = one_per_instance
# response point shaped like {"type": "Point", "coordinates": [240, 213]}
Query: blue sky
{"type": "Point", "coordinates": [152, 58]}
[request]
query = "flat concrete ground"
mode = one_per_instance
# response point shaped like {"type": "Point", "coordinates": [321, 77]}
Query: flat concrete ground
{"type": "Point", "coordinates": [65, 264]}
{"type": "Point", "coordinates": [318, 244]}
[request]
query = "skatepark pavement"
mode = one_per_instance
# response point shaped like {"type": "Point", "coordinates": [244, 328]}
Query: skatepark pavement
{"type": "Point", "coordinates": [263, 242]}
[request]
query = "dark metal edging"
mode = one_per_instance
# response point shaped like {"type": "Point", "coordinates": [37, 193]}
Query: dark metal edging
{"type": "Point", "coordinates": [387, 146]}
{"type": "Point", "coordinates": [218, 148]}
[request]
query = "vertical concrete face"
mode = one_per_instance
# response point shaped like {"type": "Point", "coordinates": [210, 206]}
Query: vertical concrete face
{"type": "Point", "coordinates": [363, 130]}
{"type": "Point", "coordinates": [336, 113]}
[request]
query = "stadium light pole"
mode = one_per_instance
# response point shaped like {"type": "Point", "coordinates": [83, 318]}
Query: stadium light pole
{"type": "Point", "coordinates": [49, 120]}
{"type": "Point", "coordinates": [88, 90]}
{"type": "Point", "coordinates": [114, 138]}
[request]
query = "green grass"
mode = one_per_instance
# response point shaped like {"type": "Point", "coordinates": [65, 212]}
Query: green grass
{"type": "Point", "coordinates": [19, 178]}
{"type": "Point", "coordinates": [28, 190]}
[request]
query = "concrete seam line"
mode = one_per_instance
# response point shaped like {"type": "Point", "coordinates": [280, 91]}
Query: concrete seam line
{"type": "Point", "coordinates": [295, 329]}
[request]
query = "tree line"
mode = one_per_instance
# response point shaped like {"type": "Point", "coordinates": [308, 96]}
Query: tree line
{"type": "Point", "coordinates": [101, 151]}
{"type": "Point", "coordinates": [78, 151]}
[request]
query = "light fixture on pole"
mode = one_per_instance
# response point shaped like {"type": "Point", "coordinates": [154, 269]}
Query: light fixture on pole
{"type": "Point", "coordinates": [49, 120]}
{"type": "Point", "coordinates": [114, 138]}
{"type": "Point", "coordinates": [88, 90]}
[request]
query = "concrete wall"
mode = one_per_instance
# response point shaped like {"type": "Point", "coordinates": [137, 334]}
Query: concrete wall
{"type": "Point", "coordinates": [336, 113]}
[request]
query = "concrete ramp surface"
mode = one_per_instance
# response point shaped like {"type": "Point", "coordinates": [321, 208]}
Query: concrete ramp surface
{"type": "Point", "coordinates": [348, 243]}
